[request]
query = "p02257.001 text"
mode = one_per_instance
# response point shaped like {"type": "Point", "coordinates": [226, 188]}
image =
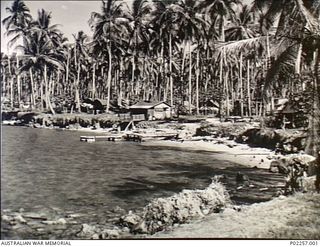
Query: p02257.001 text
{"type": "Point", "coordinates": [304, 243]}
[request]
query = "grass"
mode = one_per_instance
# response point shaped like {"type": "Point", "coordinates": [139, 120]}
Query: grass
{"type": "Point", "coordinates": [293, 217]}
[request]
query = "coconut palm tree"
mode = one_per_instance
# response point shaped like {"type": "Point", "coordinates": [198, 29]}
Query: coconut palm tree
{"type": "Point", "coordinates": [106, 39]}
{"type": "Point", "coordinates": [219, 10]}
{"type": "Point", "coordinates": [191, 27]}
{"type": "Point", "coordinates": [40, 57]}
{"type": "Point", "coordinates": [242, 28]}
{"type": "Point", "coordinates": [138, 34]}
{"type": "Point", "coordinates": [18, 21]}
{"type": "Point", "coordinates": [17, 24]}
{"type": "Point", "coordinates": [165, 26]}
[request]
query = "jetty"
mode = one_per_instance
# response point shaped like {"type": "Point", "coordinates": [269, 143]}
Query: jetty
{"type": "Point", "coordinates": [112, 138]}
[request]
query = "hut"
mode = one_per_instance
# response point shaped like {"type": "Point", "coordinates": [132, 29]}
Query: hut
{"type": "Point", "coordinates": [151, 110]}
{"type": "Point", "coordinates": [87, 105]}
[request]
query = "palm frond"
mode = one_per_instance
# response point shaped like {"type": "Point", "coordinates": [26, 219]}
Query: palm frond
{"type": "Point", "coordinates": [283, 64]}
{"type": "Point", "coordinates": [242, 45]}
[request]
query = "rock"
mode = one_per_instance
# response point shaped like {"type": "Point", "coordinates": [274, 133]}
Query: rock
{"type": "Point", "coordinates": [263, 189]}
{"type": "Point", "coordinates": [117, 209]}
{"type": "Point", "coordinates": [242, 178]}
{"type": "Point", "coordinates": [95, 236]}
{"type": "Point", "coordinates": [6, 218]}
{"type": "Point", "coordinates": [130, 220]}
{"type": "Point", "coordinates": [283, 169]}
{"type": "Point", "coordinates": [163, 213]}
{"type": "Point", "coordinates": [60, 221]}
{"type": "Point", "coordinates": [35, 216]}
{"type": "Point", "coordinates": [110, 234]}
{"type": "Point", "coordinates": [87, 231]}
{"type": "Point", "coordinates": [274, 169]}
{"type": "Point", "coordinates": [20, 219]}
{"type": "Point", "coordinates": [206, 211]}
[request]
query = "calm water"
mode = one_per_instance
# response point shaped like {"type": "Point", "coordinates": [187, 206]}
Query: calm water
{"type": "Point", "coordinates": [52, 170]}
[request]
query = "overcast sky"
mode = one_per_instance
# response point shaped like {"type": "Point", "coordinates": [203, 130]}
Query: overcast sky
{"type": "Point", "coordinates": [73, 16]}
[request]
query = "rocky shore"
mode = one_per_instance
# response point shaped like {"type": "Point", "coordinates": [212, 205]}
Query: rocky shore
{"type": "Point", "coordinates": [245, 144]}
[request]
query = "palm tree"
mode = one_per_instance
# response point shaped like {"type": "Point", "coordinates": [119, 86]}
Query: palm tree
{"type": "Point", "coordinates": [80, 56]}
{"type": "Point", "coordinates": [139, 26]}
{"type": "Point", "coordinates": [106, 39]}
{"type": "Point", "coordinates": [17, 24]}
{"type": "Point", "coordinates": [219, 10]}
{"type": "Point", "coordinates": [191, 27]}
{"type": "Point", "coordinates": [240, 29]}
{"type": "Point", "coordinates": [18, 21]}
{"type": "Point", "coordinates": [40, 57]}
{"type": "Point", "coordinates": [165, 25]}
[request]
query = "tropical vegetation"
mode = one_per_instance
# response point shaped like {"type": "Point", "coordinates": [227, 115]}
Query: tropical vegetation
{"type": "Point", "coordinates": [196, 55]}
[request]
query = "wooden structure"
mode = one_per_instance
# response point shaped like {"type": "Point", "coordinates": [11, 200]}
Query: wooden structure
{"type": "Point", "coordinates": [101, 138]}
{"type": "Point", "coordinates": [151, 110]}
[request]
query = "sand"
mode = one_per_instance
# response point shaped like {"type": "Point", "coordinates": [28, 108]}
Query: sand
{"type": "Point", "coordinates": [225, 150]}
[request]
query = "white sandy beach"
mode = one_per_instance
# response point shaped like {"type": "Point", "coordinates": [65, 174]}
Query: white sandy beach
{"type": "Point", "coordinates": [225, 150]}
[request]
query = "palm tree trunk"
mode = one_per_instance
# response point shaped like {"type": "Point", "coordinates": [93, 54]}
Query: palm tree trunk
{"type": "Point", "coordinates": [190, 77]}
{"type": "Point", "coordinates": [77, 89]}
{"type": "Point", "coordinates": [197, 81]}
{"type": "Point", "coordinates": [120, 80]}
{"type": "Point", "coordinates": [183, 58]}
{"type": "Point", "coordinates": [93, 80]}
{"type": "Point", "coordinates": [18, 81]}
{"type": "Point", "coordinates": [11, 82]}
{"type": "Point", "coordinates": [48, 103]}
{"type": "Point", "coordinates": [298, 60]}
{"type": "Point", "coordinates": [33, 100]}
{"type": "Point", "coordinates": [220, 86]}
{"type": "Point", "coordinates": [170, 70]}
{"type": "Point", "coordinates": [248, 88]}
{"type": "Point", "coordinates": [313, 140]}
{"type": "Point", "coordinates": [109, 77]}
{"type": "Point", "coordinates": [222, 26]}
{"type": "Point", "coordinates": [241, 84]}
{"type": "Point", "coordinates": [227, 92]}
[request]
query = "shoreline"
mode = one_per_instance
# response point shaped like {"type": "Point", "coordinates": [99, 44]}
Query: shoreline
{"type": "Point", "coordinates": [227, 150]}
{"type": "Point", "coordinates": [222, 149]}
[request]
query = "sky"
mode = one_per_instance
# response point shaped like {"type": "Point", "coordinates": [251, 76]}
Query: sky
{"type": "Point", "coordinates": [72, 16]}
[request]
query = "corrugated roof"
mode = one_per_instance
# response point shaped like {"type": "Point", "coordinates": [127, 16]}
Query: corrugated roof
{"type": "Point", "coordinates": [147, 105]}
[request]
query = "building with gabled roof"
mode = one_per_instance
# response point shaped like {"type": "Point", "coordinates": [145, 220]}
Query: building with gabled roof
{"type": "Point", "coordinates": [152, 110]}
